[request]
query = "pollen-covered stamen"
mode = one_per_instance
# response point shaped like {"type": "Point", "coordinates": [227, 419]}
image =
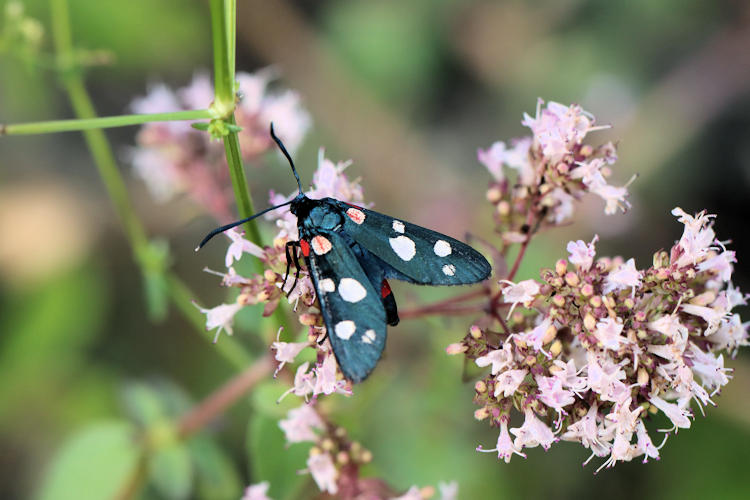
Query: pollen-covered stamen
{"type": "Point", "coordinates": [321, 245]}
{"type": "Point", "coordinates": [358, 216]}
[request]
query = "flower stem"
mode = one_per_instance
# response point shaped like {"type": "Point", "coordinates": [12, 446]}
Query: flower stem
{"type": "Point", "coordinates": [115, 185]}
{"type": "Point", "coordinates": [52, 126]}
{"type": "Point", "coordinates": [224, 397]}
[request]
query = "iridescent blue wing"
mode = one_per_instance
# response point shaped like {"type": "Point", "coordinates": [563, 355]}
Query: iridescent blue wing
{"type": "Point", "coordinates": [351, 305]}
{"type": "Point", "coordinates": [414, 253]}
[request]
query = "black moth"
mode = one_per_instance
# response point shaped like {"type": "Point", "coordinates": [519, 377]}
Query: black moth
{"type": "Point", "coordinates": [350, 253]}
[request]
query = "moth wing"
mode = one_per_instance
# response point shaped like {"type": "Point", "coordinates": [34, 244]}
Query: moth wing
{"type": "Point", "coordinates": [420, 254]}
{"type": "Point", "coordinates": [354, 315]}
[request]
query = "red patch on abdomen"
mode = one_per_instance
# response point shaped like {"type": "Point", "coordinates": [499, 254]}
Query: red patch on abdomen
{"type": "Point", "coordinates": [305, 246]}
{"type": "Point", "coordinates": [385, 289]}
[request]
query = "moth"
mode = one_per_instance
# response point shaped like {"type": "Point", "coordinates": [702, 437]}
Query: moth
{"type": "Point", "coordinates": [351, 253]}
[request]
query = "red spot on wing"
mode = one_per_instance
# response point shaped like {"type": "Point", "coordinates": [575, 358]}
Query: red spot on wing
{"type": "Point", "coordinates": [305, 246]}
{"type": "Point", "coordinates": [385, 289]}
{"type": "Point", "coordinates": [350, 204]}
{"type": "Point", "coordinates": [358, 216]}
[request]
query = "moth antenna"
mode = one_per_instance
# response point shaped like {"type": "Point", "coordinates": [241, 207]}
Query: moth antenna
{"type": "Point", "coordinates": [288, 157]}
{"type": "Point", "coordinates": [237, 223]}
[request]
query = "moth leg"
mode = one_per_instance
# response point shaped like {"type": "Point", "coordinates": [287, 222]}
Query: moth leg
{"type": "Point", "coordinates": [295, 258]}
{"type": "Point", "coordinates": [288, 263]}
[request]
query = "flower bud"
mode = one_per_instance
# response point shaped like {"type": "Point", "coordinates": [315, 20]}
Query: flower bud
{"type": "Point", "coordinates": [494, 194]}
{"type": "Point", "coordinates": [704, 299]}
{"type": "Point", "coordinates": [327, 444]}
{"type": "Point", "coordinates": [269, 275]}
{"type": "Point", "coordinates": [456, 348]}
{"type": "Point", "coordinates": [572, 279]}
{"type": "Point", "coordinates": [642, 376]}
{"type": "Point", "coordinates": [562, 168]}
{"type": "Point", "coordinates": [365, 457]}
{"type": "Point", "coordinates": [481, 413]}
{"type": "Point", "coordinates": [558, 300]}
{"type": "Point", "coordinates": [596, 301]}
{"type": "Point", "coordinates": [475, 332]}
{"type": "Point", "coordinates": [342, 457]}
{"type": "Point", "coordinates": [629, 303]}
{"type": "Point", "coordinates": [556, 348]}
{"type": "Point", "coordinates": [480, 387]}
{"type": "Point", "coordinates": [586, 150]}
{"type": "Point", "coordinates": [561, 266]}
{"type": "Point", "coordinates": [587, 290]}
{"type": "Point", "coordinates": [308, 319]}
{"type": "Point", "coordinates": [589, 321]}
{"type": "Point", "coordinates": [549, 335]}
{"type": "Point", "coordinates": [503, 208]}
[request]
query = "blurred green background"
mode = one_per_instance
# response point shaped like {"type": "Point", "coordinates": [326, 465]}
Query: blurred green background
{"type": "Point", "coordinates": [409, 91]}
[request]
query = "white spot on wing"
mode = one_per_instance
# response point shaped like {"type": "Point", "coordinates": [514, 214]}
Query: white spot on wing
{"type": "Point", "coordinates": [404, 247]}
{"type": "Point", "coordinates": [398, 226]}
{"type": "Point", "coordinates": [351, 290]}
{"type": "Point", "coordinates": [449, 269]}
{"type": "Point", "coordinates": [368, 337]}
{"type": "Point", "coordinates": [326, 285]}
{"type": "Point", "coordinates": [442, 248]}
{"type": "Point", "coordinates": [345, 329]}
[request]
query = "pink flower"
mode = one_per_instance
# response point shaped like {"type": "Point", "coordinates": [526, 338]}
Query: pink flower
{"type": "Point", "coordinates": [731, 334]}
{"type": "Point", "coordinates": [557, 128]}
{"type": "Point", "coordinates": [498, 358]}
{"type": "Point", "coordinates": [697, 237]}
{"type": "Point", "coordinates": [588, 171]}
{"type": "Point", "coordinates": [323, 471]}
{"type": "Point", "coordinates": [552, 394]}
{"type": "Point", "coordinates": [561, 204]}
{"type": "Point", "coordinates": [536, 338]}
{"type": "Point", "coordinates": [582, 254]}
{"type": "Point", "coordinates": [448, 491]}
{"type": "Point", "coordinates": [239, 246]}
{"type": "Point", "coordinates": [304, 382]}
{"type": "Point", "coordinates": [709, 368]}
{"type": "Point", "coordinates": [614, 197]}
{"type": "Point", "coordinates": [522, 292]}
{"type": "Point", "coordinates": [720, 264]}
{"type": "Point", "coordinates": [300, 424]}
{"type": "Point", "coordinates": [517, 158]}
{"type": "Point", "coordinates": [645, 445]}
{"type": "Point", "coordinates": [532, 433]}
{"type": "Point", "coordinates": [625, 276]}
{"type": "Point", "coordinates": [604, 378]}
{"type": "Point", "coordinates": [507, 382]}
{"type": "Point", "coordinates": [287, 351]}
{"type": "Point", "coordinates": [608, 333]}
{"type": "Point", "coordinates": [326, 381]}
{"type": "Point", "coordinates": [257, 491]}
{"type": "Point", "coordinates": [587, 432]}
{"type": "Point", "coordinates": [568, 375]}
{"type": "Point", "coordinates": [674, 412]}
{"type": "Point", "coordinates": [221, 317]}
{"type": "Point", "coordinates": [505, 447]}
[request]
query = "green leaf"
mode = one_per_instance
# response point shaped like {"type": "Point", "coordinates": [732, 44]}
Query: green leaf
{"type": "Point", "coordinates": [216, 475]}
{"type": "Point", "coordinates": [202, 126]}
{"type": "Point", "coordinates": [171, 471]}
{"type": "Point", "coordinates": [142, 403]}
{"type": "Point", "coordinates": [270, 458]}
{"type": "Point", "coordinates": [97, 462]}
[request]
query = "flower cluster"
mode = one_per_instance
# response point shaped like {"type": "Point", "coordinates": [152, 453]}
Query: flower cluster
{"type": "Point", "coordinates": [173, 158]}
{"type": "Point", "coordinates": [274, 284]}
{"type": "Point", "coordinates": [607, 345]}
{"type": "Point", "coordinates": [553, 168]}
{"type": "Point", "coordinates": [335, 460]}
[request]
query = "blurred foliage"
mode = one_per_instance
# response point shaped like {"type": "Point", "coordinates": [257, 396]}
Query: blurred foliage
{"type": "Point", "coordinates": [86, 377]}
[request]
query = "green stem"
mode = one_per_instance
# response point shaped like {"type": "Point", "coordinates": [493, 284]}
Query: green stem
{"type": "Point", "coordinates": [115, 185]}
{"type": "Point", "coordinates": [223, 82]}
{"type": "Point", "coordinates": [47, 127]}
